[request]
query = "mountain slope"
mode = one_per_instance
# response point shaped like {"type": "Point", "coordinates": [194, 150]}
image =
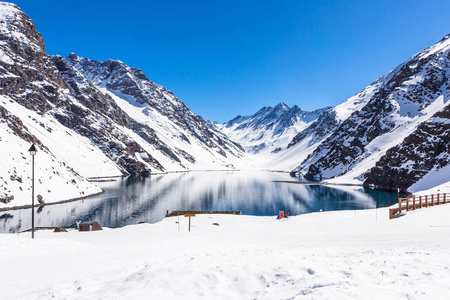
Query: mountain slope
{"type": "Point", "coordinates": [425, 151]}
{"type": "Point", "coordinates": [89, 119]}
{"type": "Point", "coordinates": [382, 116]}
{"type": "Point", "coordinates": [156, 108]}
{"type": "Point", "coordinates": [30, 87]}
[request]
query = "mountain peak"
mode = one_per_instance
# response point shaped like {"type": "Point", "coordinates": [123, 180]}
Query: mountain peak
{"type": "Point", "coordinates": [445, 38]}
{"type": "Point", "coordinates": [6, 5]}
{"type": "Point", "coordinates": [73, 56]}
{"type": "Point", "coordinates": [262, 111]}
{"type": "Point", "coordinates": [282, 106]}
{"type": "Point", "coordinates": [18, 28]}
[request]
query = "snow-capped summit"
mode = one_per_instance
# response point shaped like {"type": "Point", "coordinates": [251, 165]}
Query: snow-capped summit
{"type": "Point", "coordinates": [269, 130]}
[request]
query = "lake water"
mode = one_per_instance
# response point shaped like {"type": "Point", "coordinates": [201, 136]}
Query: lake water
{"type": "Point", "coordinates": [132, 200]}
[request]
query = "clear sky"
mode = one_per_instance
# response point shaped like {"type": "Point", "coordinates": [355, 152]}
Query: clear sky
{"type": "Point", "coordinates": [224, 58]}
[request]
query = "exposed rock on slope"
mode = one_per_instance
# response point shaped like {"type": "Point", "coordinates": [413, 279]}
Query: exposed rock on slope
{"type": "Point", "coordinates": [269, 130]}
{"type": "Point", "coordinates": [151, 104]}
{"type": "Point", "coordinates": [384, 114]}
{"type": "Point", "coordinates": [88, 119]}
{"type": "Point", "coordinates": [30, 86]}
{"type": "Point", "coordinates": [426, 149]}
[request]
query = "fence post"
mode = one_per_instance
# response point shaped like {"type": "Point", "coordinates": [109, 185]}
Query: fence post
{"type": "Point", "coordinates": [399, 205]}
{"type": "Point", "coordinates": [407, 204]}
{"type": "Point", "coordinates": [426, 200]}
{"type": "Point", "coordinates": [444, 197]}
{"type": "Point", "coordinates": [420, 201]}
{"type": "Point", "coordinates": [432, 199]}
{"type": "Point", "coordinates": [414, 202]}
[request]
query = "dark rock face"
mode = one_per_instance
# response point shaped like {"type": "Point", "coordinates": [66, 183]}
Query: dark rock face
{"type": "Point", "coordinates": [427, 148]}
{"type": "Point", "coordinates": [25, 76]}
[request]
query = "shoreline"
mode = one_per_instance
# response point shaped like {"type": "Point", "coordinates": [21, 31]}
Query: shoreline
{"type": "Point", "coordinates": [102, 179]}
{"type": "Point", "coordinates": [319, 183]}
{"type": "Point", "coordinates": [50, 203]}
{"type": "Point", "coordinates": [300, 182]}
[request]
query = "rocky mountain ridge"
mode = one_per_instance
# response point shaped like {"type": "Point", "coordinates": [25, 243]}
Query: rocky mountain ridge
{"type": "Point", "coordinates": [269, 130]}
{"type": "Point", "coordinates": [89, 119]}
{"type": "Point", "coordinates": [367, 138]}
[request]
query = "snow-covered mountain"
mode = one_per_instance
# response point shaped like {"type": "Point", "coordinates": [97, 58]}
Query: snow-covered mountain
{"type": "Point", "coordinates": [98, 119]}
{"type": "Point", "coordinates": [89, 119]}
{"type": "Point", "coordinates": [391, 134]}
{"type": "Point", "coordinates": [269, 130]}
{"type": "Point", "coordinates": [178, 138]}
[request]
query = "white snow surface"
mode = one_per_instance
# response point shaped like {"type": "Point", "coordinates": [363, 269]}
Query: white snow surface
{"type": "Point", "coordinates": [329, 255]}
{"type": "Point", "coordinates": [60, 169]}
{"type": "Point", "coordinates": [171, 134]}
{"type": "Point", "coordinates": [433, 182]}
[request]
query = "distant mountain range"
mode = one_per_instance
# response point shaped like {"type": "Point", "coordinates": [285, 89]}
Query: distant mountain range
{"type": "Point", "coordinates": [99, 119]}
{"type": "Point", "coordinates": [269, 130]}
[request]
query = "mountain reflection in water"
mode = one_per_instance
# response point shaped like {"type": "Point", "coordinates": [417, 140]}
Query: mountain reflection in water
{"type": "Point", "coordinates": [134, 199]}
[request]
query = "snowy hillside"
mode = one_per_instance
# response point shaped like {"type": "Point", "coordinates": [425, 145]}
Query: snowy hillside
{"type": "Point", "coordinates": [89, 119]}
{"type": "Point", "coordinates": [23, 120]}
{"type": "Point", "coordinates": [357, 135]}
{"type": "Point", "coordinates": [270, 130]}
{"type": "Point", "coordinates": [171, 133]}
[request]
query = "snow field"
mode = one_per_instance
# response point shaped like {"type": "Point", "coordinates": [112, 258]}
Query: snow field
{"type": "Point", "coordinates": [329, 255]}
{"type": "Point", "coordinates": [55, 178]}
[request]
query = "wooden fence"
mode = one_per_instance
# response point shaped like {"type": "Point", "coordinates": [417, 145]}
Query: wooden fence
{"type": "Point", "coordinates": [411, 203]}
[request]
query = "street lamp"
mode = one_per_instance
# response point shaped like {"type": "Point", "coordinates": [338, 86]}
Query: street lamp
{"type": "Point", "coordinates": [33, 152]}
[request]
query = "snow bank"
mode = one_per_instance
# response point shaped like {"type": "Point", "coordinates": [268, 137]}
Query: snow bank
{"type": "Point", "coordinates": [332, 255]}
{"type": "Point", "coordinates": [442, 188]}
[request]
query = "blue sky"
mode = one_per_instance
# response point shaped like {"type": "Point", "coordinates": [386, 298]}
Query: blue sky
{"type": "Point", "coordinates": [224, 58]}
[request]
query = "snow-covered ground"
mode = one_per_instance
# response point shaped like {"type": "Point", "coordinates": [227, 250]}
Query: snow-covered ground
{"type": "Point", "coordinates": [329, 255]}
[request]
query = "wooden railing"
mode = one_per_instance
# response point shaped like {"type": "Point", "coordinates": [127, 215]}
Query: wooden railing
{"type": "Point", "coordinates": [411, 203]}
{"type": "Point", "coordinates": [197, 212]}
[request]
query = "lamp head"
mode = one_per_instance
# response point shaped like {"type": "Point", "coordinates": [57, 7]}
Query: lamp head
{"type": "Point", "coordinates": [32, 150]}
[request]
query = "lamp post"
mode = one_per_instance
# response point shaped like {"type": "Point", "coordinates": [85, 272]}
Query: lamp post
{"type": "Point", "coordinates": [33, 152]}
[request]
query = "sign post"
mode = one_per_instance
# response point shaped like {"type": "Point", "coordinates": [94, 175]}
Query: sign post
{"type": "Point", "coordinates": [189, 215]}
